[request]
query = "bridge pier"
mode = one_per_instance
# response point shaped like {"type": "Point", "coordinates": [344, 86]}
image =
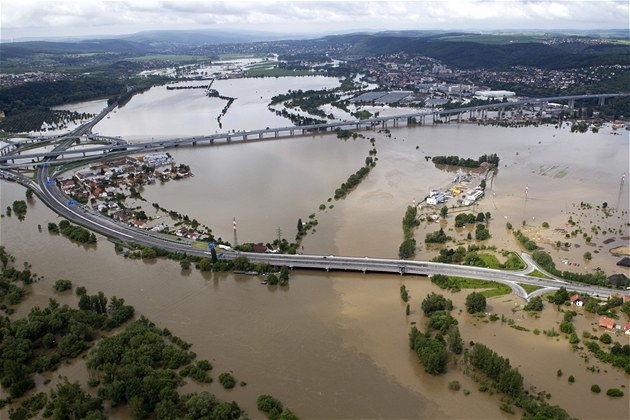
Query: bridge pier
{"type": "Point", "coordinates": [260, 135]}
{"type": "Point", "coordinates": [571, 104]}
{"type": "Point", "coordinates": [275, 133]}
{"type": "Point", "coordinates": [601, 101]}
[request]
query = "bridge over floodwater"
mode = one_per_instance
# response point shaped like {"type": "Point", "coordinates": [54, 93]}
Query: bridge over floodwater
{"type": "Point", "coordinates": [9, 155]}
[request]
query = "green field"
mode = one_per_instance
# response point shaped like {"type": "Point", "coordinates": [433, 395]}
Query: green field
{"type": "Point", "coordinates": [538, 274]}
{"type": "Point", "coordinates": [170, 57]}
{"type": "Point", "coordinates": [275, 72]}
{"type": "Point", "coordinates": [494, 288]}
{"type": "Point", "coordinates": [491, 261]}
{"type": "Point", "coordinates": [227, 57]}
{"type": "Point", "coordinates": [529, 288]}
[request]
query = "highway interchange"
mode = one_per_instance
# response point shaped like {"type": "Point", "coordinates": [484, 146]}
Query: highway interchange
{"type": "Point", "coordinates": [46, 188]}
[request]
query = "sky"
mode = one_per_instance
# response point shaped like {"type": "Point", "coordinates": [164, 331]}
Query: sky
{"type": "Point", "coordinates": [80, 18]}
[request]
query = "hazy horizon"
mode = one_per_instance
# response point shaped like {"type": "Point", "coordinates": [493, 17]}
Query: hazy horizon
{"type": "Point", "coordinates": [21, 20]}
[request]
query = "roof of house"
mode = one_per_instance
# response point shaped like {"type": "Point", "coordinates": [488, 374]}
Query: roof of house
{"type": "Point", "coordinates": [575, 297]}
{"type": "Point", "coordinates": [606, 322]}
{"type": "Point", "coordinates": [618, 280]}
{"type": "Point", "coordinates": [259, 248]}
{"type": "Point", "coordinates": [627, 327]}
{"type": "Point", "coordinates": [625, 262]}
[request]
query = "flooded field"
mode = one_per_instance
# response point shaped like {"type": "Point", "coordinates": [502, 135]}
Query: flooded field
{"type": "Point", "coordinates": [162, 113]}
{"type": "Point", "coordinates": [334, 345]}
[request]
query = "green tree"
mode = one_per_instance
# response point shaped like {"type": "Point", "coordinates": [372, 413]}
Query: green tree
{"type": "Point", "coordinates": [535, 304]}
{"type": "Point", "coordinates": [69, 401]}
{"type": "Point", "coordinates": [407, 248]}
{"type": "Point", "coordinates": [205, 264]}
{"type": "Point", "coordinates": [300, 226]}
{"type": "Point", "coordinates": [213, 255]}
{"type": "Point", "coordinates": [62, 285]}
{"type": "Point", "coordinates": [434, 302]}
{"type": "Point", "coordinates": [475, 302]}
{"type": "Point", "coordinates": [283, 278]}
{"type": "Point", "coordinates": [241, 263]}
{"type": "Point", "coordinates": [441, 321]}
{"type": "Point", "coordinates": [227, 380]}
{"type": "Point", "coordinates": [272, 279]}
{"type": "Point", "coordinates": [444, 212]}
{"type": "Point", "coordinates": [588, 256]}
{"type": "Point", "coordinates": [269, 405]}
{"type": "Point", "coordinates": [455, 342]}
{"type": "Point", "coordinates": [614, 392]}
{"type": "Point", "coordinates": [605, 338]}
{"type": "Point", "coordinates": [149, 253]}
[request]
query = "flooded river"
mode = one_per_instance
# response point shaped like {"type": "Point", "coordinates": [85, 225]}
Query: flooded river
{"type": "Point", "coordinates": [334, 345]}
{"type": "Point", "coordinates": [162, 113]}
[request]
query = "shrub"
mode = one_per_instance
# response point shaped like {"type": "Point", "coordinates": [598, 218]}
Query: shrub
{"type": "Point", "coordinates": [596, 389]}
{"type": "Point", "coordinates": [454, 385]}
{"type": "Point", "coordinates": [571, 379]}
{"type": "Point", "coordinates": [62, 285]}
{"type": "Point", "coordinates": [227, 380]}
{"type": "Point", "coordinates": [614, 392]}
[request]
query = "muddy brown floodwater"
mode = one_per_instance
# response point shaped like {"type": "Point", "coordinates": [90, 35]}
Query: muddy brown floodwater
{"type": "Point", "coordinates": [334, 345]}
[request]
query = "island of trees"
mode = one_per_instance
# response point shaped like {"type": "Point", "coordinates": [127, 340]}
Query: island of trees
{"type": "Point", "coordinates": [492, 159]}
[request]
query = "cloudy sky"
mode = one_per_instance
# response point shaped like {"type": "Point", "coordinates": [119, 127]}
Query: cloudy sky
{"type": "Point", "coordinates": [27, 18]}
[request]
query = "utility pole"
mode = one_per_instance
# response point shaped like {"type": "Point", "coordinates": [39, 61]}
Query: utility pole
{"type": "Point", "coordinates": [234, 229]}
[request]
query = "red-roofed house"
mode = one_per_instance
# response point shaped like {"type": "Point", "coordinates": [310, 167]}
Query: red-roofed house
{"type": "Point", "coordinates": [605, 322]}
{"type": "Point", "coordinates": [139, 224]}
{"type": "Point", "coordinates": [627, 328]}
{"type": "Point", "coordinates": [259, 248]}
{"type": "Point", "coordinates": [577, 300]}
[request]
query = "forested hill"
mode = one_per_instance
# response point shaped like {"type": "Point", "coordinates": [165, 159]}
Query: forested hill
{"type": "Point", "coordinates": [466, 54]}
{"type": "Point", "coordinates": [28, 49]}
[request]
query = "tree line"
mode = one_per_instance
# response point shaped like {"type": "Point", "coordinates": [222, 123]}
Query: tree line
{"type": "Point", "coordinates": [408, 246]}
{"type": "Point", "coordinates": [492, 159]}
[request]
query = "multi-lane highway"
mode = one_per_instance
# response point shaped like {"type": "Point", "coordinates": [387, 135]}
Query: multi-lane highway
{"type": "Point", "coordinates": [7, 160]}
{"type": "Point", "coordinates": [46, 188]}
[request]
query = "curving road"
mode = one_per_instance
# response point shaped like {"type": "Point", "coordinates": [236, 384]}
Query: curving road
{"type": "Point", "coordinates": [46, 188]}
{"type": "Point", "coordinates": [224, 138]}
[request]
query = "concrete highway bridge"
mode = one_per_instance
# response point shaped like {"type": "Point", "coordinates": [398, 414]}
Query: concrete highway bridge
{"type": "Point", "coordinates": [85, 216]}
{"type": "Point", "coordinates": [119, 145]}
